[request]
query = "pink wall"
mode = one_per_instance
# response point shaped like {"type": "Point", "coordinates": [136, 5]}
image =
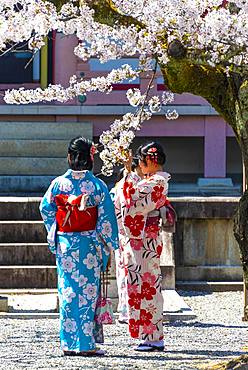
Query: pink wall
{"type": "Point", "coordinates": [157, 126]}
{"type": "Point", "coordinates": [212, 128]}
{"type": "Point", "coordinates": [119, 97]}
{"type": "Point", "coordinates": [66, 61]}
{"type": "Point", "coordinates": [215, 147]}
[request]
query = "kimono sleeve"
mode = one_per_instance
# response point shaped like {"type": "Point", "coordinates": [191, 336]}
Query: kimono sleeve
{"type": "Point", "coordinates": [144, 196]}
{"type": "Point", "coordinates": [48, 211]}
{"type": "Point", "coordinates": [107, 229]}
{"type": "Point", "coordinates": [119, 207]}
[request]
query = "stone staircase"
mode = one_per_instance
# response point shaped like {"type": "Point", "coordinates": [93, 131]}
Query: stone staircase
{"type": "Point", "coordinates": [28, 270]}
{"type": "Point", "coordinates": [25, 261]}
{"type": "Point", "coordinates": [32, 153]}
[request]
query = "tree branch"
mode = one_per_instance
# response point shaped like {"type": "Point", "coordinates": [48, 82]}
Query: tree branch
{"type": "Point", "coordinates": [58, 3]}
{"type": "Point", "coordinates": [181, 76]}
{"type": "Point", "coordinates": [107, 13]}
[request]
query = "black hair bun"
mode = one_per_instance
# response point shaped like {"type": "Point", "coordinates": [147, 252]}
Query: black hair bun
{"type": "Point", "coordinates": [79, 150]}
{"type": "Point", "coordinates": [152, 150]}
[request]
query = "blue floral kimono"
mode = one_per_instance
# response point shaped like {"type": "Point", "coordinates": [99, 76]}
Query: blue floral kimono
{"type": "Point", "coordinates": [80, 256]}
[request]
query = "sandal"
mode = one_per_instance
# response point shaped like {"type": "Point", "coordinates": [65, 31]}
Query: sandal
{"type": "Point", "coordinates": [123, 321]}
{"type": "Point", "coordinates": [97, 352]}
{"type": "Point", "coordinates": [143, 347]}
{"type": "Point", "coordinates": [70, 353]}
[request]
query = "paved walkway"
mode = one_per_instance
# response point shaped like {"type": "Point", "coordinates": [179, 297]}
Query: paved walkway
{"type": "Point", "coordinates": [217, 333]}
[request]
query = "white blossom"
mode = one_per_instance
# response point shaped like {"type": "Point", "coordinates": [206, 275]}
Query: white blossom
{"type": "Point", "coordinates": [212, 32]}
{"type": "Point", "coordinates": [57, 92]}
{"type": "Point", "coordinates": [171, 114]}
{"type": "Point", "coordinates": [135, 97]}
{"type": "Point", "coordinates": [154, 104]}
{"type": "Point", "coordinates": [167, 97]}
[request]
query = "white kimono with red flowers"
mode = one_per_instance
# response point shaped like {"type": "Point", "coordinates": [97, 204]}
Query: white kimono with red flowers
{"type": "Point", "coordinates": [137, 204]}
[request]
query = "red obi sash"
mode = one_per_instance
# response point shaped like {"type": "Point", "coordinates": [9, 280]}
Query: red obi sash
{"type": "Point", "coordinates": [71, 217]}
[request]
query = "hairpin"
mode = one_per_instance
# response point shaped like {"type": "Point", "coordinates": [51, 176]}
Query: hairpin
{"type": "Point", "coordinates": [153, 154]}
{"type": "Point", "coordinates": [93, 151]}
{"type": "Point", "coordinates": [152, 150]}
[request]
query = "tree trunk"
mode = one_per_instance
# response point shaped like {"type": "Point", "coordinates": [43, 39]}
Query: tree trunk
{"type": "Point", "coordinates": [241, 226]}
{"type": "Point", "coordinates": [241, 216]}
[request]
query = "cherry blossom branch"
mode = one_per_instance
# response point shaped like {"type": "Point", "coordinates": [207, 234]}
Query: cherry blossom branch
{"type": "Point", "coordinates": [117, 140]}
{"type": "Point", "coordinates": [57, 92]}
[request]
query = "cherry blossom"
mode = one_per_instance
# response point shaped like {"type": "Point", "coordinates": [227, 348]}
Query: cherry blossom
{"type": "Point", "coordinates": [90, 290]}
{"type": "Point", "coordinates": [68, 264]}
{"type": "Point", "coordinates": [87, 187]}
{"type": "Point", "coordinates": [70, 325]}
{"type": "Point", "coordinates": [68, 294]}
{"type": "Point", "coordinates": [88, 328]}
{"type": "Point", "coordinates": [82, 301]}
{"type": "Point", "coordinates": [106, 229]}
{"type": "Point", "coordinates": [90, 261]}
{"type": "Point", "coordinates": [82, 280]}
{"type": "Point", "coordinates": [211, 32]}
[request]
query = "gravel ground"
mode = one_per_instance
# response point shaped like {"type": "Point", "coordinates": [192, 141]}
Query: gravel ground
{"type": "Point", "coordinates": [218, 333]}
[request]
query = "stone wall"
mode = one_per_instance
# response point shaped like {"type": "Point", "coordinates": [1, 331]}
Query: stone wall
{"type": "Point", "coordinates": [205, 248]}
{"type": "Point", "coordinates": [33, 151]}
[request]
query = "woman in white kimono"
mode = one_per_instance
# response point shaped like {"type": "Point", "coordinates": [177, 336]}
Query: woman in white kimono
{"type": "Point", "coordinates": [79, 217]}
{"type": "Point", "coordinates": [119, 258]}
{"type": "Point", "coordinates": [137, 204]}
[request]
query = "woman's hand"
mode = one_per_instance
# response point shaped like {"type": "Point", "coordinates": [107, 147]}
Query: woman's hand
{"type": "Point", "coordinates": [128, 162]}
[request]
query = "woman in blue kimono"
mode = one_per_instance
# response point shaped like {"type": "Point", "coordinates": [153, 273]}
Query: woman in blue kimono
{"type": "Point", "coordinates": [80, 220]}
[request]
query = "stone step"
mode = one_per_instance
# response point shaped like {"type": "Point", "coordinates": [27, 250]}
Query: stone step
{"type": "Point", "coordinates": [16, 277]}
{"type": "Point", "coordinates": [30, 291]}
{"type": "Point", "coordinates": [29, 315]}
{"type": "Point", "coordinates": [44, 130]}
{"type": "Point", "coordinates": [34, 148]}
{"type": "Point", "coordinates": [210, 286]}
{"type": "Point", "coordinates": [43, 305]}
{"type": "Point", "coordinates": [32, 166]}
{"type": "Point", "coordinates": [22, 231]}
{"type": "Point", "coordinates": [174, 307]}
{"type": "Point", "coordinates": [25, 254]}
{"type": "Point", "coordinates": [209, 273]}
{"type": "Point", "coordinates": [33, 152]}
{"type": "Point", "coordinates": [28, 186]}
{"type": "Point", "coordinates": [41, 315]}
{"type": "Point", "coordinates": [38, 277]}
{"type": "Point", "coordinates": [19, 186]}
{"type": "Point", "coordinates": [20, 208]}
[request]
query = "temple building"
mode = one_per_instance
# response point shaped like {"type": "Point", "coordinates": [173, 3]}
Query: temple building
{"type": "Point", "coordinates": [202, 153]}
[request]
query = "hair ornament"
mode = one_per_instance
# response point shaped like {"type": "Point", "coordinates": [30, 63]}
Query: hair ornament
{"type": "Point", "coordinates": [153, 154]}
{"type": "Point", "coordinates": [152, 150]}
{"type": "Point", "coordinates": [93, 151]}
